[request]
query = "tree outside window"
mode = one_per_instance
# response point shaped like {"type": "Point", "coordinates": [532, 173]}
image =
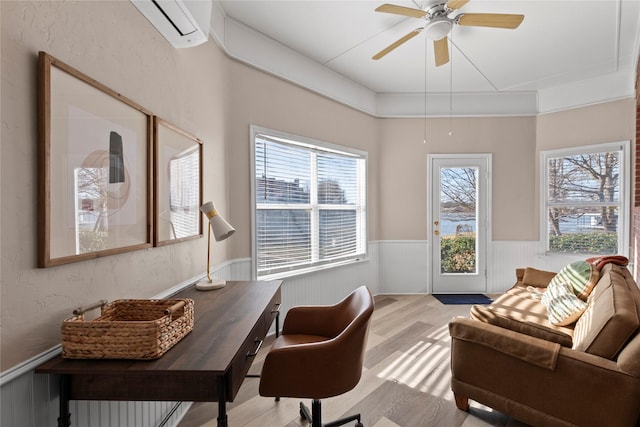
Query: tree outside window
{"type": "Point", "coordinates": [458, 194]}
{"type": "Point", "coordinates": [584, 201]}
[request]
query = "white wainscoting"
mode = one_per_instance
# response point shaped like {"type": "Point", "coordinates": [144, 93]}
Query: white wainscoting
{"type": "Point", "coordinates": [392, 267]}
{"type": "Point", "coordinates": [404, 266]}
{"type": "Point", "coordinates": [508, 255]}
{"type": "Point", "coordinates": [505, 257]}
{"type": "Point", "coordinates": [31, 400]}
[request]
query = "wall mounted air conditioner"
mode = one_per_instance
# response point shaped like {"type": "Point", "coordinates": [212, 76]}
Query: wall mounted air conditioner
{"type": "Point", "coordinates": [184, 23]}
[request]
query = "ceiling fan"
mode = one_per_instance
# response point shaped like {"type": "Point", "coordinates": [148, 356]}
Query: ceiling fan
{"type": "Point", "coordinates": [439, 24]}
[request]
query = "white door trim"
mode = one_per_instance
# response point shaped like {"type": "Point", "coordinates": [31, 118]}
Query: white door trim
{"type": "Point", "coordinates": [487, 158]}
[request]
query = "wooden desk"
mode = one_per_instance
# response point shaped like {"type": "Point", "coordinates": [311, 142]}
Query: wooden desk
{"type": "Point", "coordinates": [208, 365]}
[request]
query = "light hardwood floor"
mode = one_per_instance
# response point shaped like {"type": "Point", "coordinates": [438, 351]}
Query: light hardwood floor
{"type": "Point", "coordinates": [405, 382]}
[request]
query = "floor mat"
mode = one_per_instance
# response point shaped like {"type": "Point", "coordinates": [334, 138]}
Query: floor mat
{"type": "Point", "coordinates": [463, 299]}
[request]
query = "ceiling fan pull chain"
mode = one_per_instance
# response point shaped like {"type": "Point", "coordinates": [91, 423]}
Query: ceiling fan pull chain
{"type": "Point", "coordinates": [451, 89]}
{"type": "Point", "coordinates": [426, 44]}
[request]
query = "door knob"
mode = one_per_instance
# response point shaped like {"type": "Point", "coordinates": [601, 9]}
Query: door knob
{"type": "Point", "coordinates": [436, 232]}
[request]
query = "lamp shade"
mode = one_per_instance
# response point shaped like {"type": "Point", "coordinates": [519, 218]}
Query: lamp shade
{"type": "Point", "coordinates": [220, 227]}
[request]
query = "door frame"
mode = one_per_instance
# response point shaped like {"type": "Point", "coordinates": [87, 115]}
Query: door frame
{"type": "Point", "coordinates": [488, 243]}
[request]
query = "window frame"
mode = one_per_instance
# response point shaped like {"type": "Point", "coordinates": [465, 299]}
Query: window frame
{"type": "Point", "coordinates": [624, 192]}
{"type": "Point", "coordinates": [312, 145]}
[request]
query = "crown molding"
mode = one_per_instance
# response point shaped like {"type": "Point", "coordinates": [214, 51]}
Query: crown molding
{"type": "Point", "coordinates": [259, 51]}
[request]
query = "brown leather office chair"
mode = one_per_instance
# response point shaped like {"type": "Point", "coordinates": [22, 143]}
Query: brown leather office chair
{"type": "Point", "coordinates": [319, 354]}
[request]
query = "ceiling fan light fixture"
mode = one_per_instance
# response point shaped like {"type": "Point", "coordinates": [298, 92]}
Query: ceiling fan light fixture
{"type": "Point", "coordinates": [438, 29]}
{"type": "Point", "coordinates": [439, 25]}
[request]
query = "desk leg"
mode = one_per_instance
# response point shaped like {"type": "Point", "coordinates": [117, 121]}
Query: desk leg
{"type": "Point", "coordinates": [64, 419]}
{"type": "Point", "coordinates": [222, 401]}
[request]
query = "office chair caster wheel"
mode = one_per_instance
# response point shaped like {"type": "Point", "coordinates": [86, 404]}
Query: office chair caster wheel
{"type": "Point", "coordinates": [304, 413]}
{"type": "Point", "coordinates": [359, 424]}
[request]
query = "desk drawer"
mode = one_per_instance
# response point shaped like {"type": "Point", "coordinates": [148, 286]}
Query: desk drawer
{"type": "Point", "coordinates": [272, 312]}
{"type": "Point", "coordinates": [245, 357]}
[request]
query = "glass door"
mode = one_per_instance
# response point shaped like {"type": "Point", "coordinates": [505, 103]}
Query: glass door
{"type": "Point", "coordinates": [459, 204]}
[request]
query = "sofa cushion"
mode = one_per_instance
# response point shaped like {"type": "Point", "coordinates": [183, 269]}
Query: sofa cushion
{"type": "Point", "coordinates": [537, 278]}
{"type": "Point", "coordinates": [581, 275]}
{"type": "Point", "coordinates": [511, 321]}
{"type": "Point", "coordinates": [521, 311]}
{"type": "Point", "coordinates": [563, 306]}
{"type": "Point", "coordinates": [610, 319]}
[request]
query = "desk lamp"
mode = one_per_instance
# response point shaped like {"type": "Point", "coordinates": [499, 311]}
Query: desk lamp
{"type": "Point", "coordinates": [221, 230]}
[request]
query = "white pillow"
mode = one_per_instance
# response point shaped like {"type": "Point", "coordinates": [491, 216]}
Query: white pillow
{"type": "Point", "coordinates": [563, 306]}
{"type": "Point", "coordinates": [582, 277]}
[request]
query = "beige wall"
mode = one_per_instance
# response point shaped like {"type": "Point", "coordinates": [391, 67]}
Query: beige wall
{"type": "Point", "coordinates": [216, 99]}
{"type": "Point", "coordinates": [113, 43]}
{"type": "Point", "coordinates": [595, 124]}
{"type": "Point", "coordinates": [515, 143]}
{"type": "Point", "coordinates": [260, 99]}
{"type": "Point", "coordinates": [403, 171]}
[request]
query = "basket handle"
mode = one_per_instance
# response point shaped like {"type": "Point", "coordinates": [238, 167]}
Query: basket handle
{"type": "Point", "coordinates": [175, 307]}
{"type": "Point", "coordinates": [81, 310]}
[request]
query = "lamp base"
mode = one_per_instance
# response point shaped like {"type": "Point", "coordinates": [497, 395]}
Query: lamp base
{"type": "Point", "coordinates": [206, 285]}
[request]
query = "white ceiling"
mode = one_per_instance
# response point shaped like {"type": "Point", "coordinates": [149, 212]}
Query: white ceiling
{"type": "Point", "coordinates": [564, 54]}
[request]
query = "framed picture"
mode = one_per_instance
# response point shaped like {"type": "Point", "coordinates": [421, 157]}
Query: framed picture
{"type": "Point", "coordinates": [178, 184]}
{"type": "Point", "coordinates": [94, 168]}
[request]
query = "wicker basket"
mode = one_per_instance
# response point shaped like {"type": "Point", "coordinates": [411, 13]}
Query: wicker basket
{"type": "Point", "coordinates": [127, 329]}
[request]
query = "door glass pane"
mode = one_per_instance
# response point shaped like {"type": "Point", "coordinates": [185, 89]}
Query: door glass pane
{"type": "Point", "coordinates": [458, 219]}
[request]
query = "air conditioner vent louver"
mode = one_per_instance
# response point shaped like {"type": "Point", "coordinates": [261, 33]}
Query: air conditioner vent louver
{"type": "Point", "coordinates": [184, 23]}
{"type": "Point", "coordinates": [176, 17]}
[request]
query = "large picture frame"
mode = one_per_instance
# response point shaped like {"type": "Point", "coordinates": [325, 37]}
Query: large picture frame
{"type": "Point", "coordinates": [178, 184]}
{"type": "Point", "coordinates": [94, 168]}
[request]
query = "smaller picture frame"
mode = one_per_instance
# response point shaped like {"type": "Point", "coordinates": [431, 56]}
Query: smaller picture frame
{"type": "Point", "coordinates": [177, 184]}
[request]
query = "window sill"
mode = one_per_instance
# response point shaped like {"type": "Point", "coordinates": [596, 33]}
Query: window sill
{"type": "Point", "coordinates": [311, 270]}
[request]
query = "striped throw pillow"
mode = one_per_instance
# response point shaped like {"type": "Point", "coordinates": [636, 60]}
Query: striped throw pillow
{"type": "Point", "coordinates": [581, 275]}
{"type": "Point", "coordinates": [563, 306]}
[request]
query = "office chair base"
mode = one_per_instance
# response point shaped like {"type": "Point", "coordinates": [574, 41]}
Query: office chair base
{"type": "Point", "coordinates": [315, 416]}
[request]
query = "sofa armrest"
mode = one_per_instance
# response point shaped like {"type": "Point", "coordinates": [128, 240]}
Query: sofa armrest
{"type": "Point", "coordinates": [529, 349]}
{"type": "Point", "coordinates": [548, 386]}
{"type": "Point", "coordinates": [532, 350]}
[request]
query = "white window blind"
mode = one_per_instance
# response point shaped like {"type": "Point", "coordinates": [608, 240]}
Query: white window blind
{"type": "Point", "coordinates": [310, 204]}
{"type": "Point", "coordinates": [184, 196]}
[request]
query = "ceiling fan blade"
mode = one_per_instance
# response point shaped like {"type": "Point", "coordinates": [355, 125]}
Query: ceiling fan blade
{"type": "Point", "coordinates": [441, 49]}
{"type": "Point", "coordinates": [495, 20]}
{"type": "Point", "coordinates": [401, 10]}
{"type": "Point", "coordinates": [456, 4]}
{"type": "Point", "coordinates": [397, 43]}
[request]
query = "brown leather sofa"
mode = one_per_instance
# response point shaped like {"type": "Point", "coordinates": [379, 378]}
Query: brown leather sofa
{"type": "Point", "coordinates": [509, 357]}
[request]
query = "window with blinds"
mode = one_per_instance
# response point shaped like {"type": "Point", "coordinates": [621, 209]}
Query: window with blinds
{"type": "Point", "coordinates": [309, 203]}
{"type": "Point", "coordinates": [585, 202]}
